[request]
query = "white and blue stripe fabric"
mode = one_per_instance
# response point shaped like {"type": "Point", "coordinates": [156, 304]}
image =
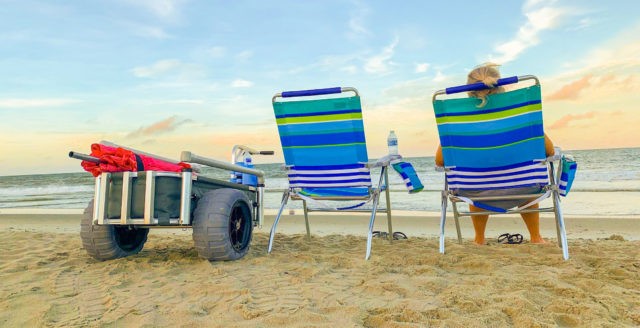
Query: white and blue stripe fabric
{"type": "Point", "coordinates": [568, 173]}
{"type": "Point", "coordinates": [329, 176]}
{"type": "Point", "coordinates": [518, 175]}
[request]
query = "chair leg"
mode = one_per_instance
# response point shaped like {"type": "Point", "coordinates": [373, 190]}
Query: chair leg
{"type": "Point", "coordinates": [562, 234]}
{"type": "Point", "coordinates": [376, 198]}
{"type": "Point", "coordinates": [456, 219]}
{"type": "Point", "coordinates": [285, 198]}
{"type": "Point", "coordinates": [386, 192]}
{"type": "Point", "coordinates": [552, 177]}
{"type": "Point", "coordinates": [443, 218]}
{"type": "Point", "coordinates": [558, 233]}
{"type": "Point", "coordinates": [306, 218]}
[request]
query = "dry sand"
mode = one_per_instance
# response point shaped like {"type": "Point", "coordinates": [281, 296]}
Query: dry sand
{"type": "Point", "coordinates": [47, 279]}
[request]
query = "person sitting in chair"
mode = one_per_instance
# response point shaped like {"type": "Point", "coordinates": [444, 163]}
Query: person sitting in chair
{"type": "Point", "coordinates": [488, 74]}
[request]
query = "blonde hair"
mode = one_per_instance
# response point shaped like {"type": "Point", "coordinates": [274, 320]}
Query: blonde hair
{"type": "Point", "coordinates": [488, 74]}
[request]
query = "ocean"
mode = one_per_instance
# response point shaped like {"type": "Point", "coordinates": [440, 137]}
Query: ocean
{"type": "Point", "coordinates": [607, 183]}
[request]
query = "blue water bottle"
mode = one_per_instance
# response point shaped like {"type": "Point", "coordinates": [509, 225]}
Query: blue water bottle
{"type": "Point", "coordinates": [249, 179]}
{"type": "Point", "coordinates": [236, 177]}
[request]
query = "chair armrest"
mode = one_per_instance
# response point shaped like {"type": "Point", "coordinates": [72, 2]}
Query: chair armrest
{"type": "Point", "coordinates": [557, 155]}
{"type": "Point", "coordinates": [285, 167]}
{"type": "Point", "coordinates": [384, 161]}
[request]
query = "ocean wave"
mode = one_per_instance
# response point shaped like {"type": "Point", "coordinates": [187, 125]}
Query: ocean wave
{"type": "Point", "coordinates": [44, 190]}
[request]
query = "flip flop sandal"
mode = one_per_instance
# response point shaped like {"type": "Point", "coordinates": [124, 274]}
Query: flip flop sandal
{"type": "Point", "coordinates": [506, 238]}
{"type": "Point", "coordinates": [516, 239]}
{"type": "Point", "coordinates": [380, 234]}
{"type": "Point", "coordinates": [399, 235]}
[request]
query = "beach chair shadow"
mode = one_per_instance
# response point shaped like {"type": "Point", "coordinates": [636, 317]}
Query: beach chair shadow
{"type": "Point", "coordinates": [325, 153]}
{"type": "Point", "coordinates": [497, 147]}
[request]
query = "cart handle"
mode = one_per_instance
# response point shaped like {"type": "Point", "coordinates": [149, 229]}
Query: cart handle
{"type": "Point", "coordinates": [482, 86]}
{"type": "Point", "coordinates": [313, 92]}
{"type": "Point", "coordinates": [251, 151]}
{"type": "Point", "coordinates": [187, 156]}
{"type": "Point", "coordinates": [84, 157]}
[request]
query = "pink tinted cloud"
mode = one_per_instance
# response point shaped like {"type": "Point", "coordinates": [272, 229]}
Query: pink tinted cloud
{"type": "Point", "coordinates": [165, 125]}
{"type": "Point", "coordinates": [565, 120]}
{"type": "Point", "coordinates": [571, 90]}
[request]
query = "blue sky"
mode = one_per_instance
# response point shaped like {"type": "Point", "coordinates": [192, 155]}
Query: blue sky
{"type": "Point", "coordinates": [170, 75]}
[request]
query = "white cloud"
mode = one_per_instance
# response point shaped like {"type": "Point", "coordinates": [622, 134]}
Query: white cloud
{"type": "Point", "coordinates": [356, 22]}
{"type": "Point", "coordinates": [160, 8]}
{"type": "Point", "coordinates": [186, 101]}
{"type": "Point", "coordinates": [619, 55]}
{"type": "Point", "coordinates": [217, 52]}
{"type": "Point", "coordinates": [240, 83]}
{"type": "Point", "coordinates": [616, 63]}
{"type": "Point", "coordinates": [152, 32]}
{"type": "Point", "coordinates": [532, 4]}
{"type": "Point", "coordinates": [146, 31]}
{"type": "Point", "coordinates": [351, 69]}
{"type": "Point", "coordinates": [167, 125]}
{"type": "Point", "coordinates": [541, 15]}
{"type": "Point", "coordinates": [159, 67]}
{"type": "Point", "coordinates": [583, 24]}
{"type": "Point", "coordinates": [331, 62]}
{"type": "Point", "coordinates": [439, 77]}
{"type": "Point", "coordinates": [380, 63]}
{"type": "Point", "coordinates": [244, 55]}
{"type": "Point", "coordinates": [155, 101]}
{"type": "Point", "coordinates": [37, 102]}
{"type": "Point", "coordinates": [422, 67]}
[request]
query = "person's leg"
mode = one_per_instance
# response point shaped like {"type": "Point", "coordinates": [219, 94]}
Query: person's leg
{"type": "Point", "coordinates": [479, 224]}
{"type": "Point", "coordinates": [532, 221]}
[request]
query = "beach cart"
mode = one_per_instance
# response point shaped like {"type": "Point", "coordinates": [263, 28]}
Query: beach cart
{"type": "Point", "coordinates": [136, 191]}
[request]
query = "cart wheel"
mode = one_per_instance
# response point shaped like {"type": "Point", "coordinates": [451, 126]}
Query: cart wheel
{"type": "Point", "coordinates": [222, 225]}
{"type": "Point", "coordinates": [109, 242]}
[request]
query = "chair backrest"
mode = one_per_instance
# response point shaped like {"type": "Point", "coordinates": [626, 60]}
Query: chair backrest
{"type": "Point", "coordinates": [500, 145]}
{"type": "Point", "coordinates": [323, 141]}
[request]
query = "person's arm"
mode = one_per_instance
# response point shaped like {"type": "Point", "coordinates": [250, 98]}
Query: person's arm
{"type": "Point", "coordinates": [439, 158]}
{"type": "Point", "coordinates": [548, 146]}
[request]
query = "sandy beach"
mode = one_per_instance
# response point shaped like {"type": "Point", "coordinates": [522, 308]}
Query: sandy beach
{"type": "Point", "coordinates": [49, 280]}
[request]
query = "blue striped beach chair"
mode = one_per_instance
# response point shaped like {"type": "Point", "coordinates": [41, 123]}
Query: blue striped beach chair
{"type": "Point", "coordinates": [497, 147]}
{"type": "Point", "coordinates": [325, 153]}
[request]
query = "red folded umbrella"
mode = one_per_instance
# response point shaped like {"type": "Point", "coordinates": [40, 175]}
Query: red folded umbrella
{"type": "Point", "coordinates": [114, 159]}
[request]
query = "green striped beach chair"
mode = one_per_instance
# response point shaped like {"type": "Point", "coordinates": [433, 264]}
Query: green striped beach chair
{"type": "Point", "coordinates": [497, 147]}
{"type": "Point", "coordinates": [325, 153]}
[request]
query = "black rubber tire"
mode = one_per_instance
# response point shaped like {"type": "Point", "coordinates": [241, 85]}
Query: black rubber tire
{"type": "Point", "coordinates": [223, 225]}
{"type": "Point", "coordinates": [110, 242]}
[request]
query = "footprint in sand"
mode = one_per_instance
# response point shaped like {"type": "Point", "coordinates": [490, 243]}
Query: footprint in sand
{"type": "Point", "coordinates": [81, 297]}
{"type": "Point", "coordinates": [274, 292]}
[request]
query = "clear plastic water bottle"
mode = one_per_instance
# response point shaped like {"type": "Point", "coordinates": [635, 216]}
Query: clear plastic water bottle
{"type": "Point", "coordinates": [392, 143]}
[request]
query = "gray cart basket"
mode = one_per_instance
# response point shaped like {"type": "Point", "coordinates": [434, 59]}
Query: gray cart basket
{"type": "Point", "coordinates": [127, 204]}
